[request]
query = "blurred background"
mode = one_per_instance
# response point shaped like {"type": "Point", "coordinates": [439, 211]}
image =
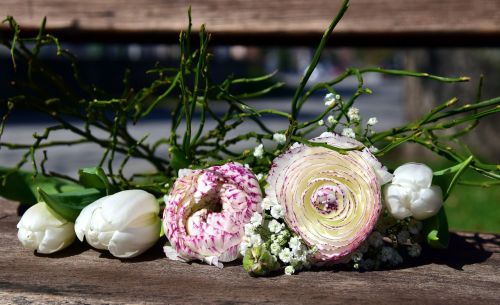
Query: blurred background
{"type": "Point", "coordinates": [281, 37]}
{"type": "Point", "coordinates": [394, 101]}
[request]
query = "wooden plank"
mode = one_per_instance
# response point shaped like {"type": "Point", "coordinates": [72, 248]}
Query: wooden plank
{"type": "Point", "coordinates": [368, 22]}
{"type": "Point", "coordinates": [467, 273]}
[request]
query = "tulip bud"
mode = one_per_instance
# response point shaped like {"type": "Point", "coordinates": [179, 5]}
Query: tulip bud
{"type": "Point", "coordinates": [126, 223]}
{"type": "Point", "coordinates": [43, 230]}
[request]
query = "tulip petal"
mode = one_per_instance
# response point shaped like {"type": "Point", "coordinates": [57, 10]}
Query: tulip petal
{"type": "Point", "coordinates": [29, 239]}
{"type": "Point", "coordinates": [39, 217]}
{"type": "Point", "coordinates": [99, 231]}
{"type": "Point", "coordinates": [43, 230]}
{"type": "Point", "coordinates": [131, 242]}
{"type": "Point", "coordinates": [132, 204]}
{"type": "Point", "coordinates": [82, 222]}
{"type": "Point", "coordinates": [56, 239]}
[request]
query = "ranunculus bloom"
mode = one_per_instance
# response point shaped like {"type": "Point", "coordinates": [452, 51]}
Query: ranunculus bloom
{"type": "Point", "coordinates": [125, 223]}
{"type": "Point", "coordinates": [206, 212]}
{"type": "Point", "coordinates": [44, 230]}
{"type": "Point", "coordinates": [411, 192]}
{"type": "Point", "coordinates": [331, 200]}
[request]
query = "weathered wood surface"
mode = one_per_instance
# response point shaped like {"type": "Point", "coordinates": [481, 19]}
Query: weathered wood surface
{"type": "Point", "coordinates": [367, 22]}
{"type": "Point", "coordinates": [467, 273]}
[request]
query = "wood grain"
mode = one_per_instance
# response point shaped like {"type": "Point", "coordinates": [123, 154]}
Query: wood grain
{"type": "Point", "coordinates": [467, 273]}
{"type": "Point", "coordinates": [367, 22]}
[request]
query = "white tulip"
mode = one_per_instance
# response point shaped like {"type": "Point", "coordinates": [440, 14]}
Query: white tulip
{"type": "Point", "coordinates": [44, 230]}
{"type": "Point", "coordinates": [126, 223]}
{"type": "Point", "coordinates": [411, 192]}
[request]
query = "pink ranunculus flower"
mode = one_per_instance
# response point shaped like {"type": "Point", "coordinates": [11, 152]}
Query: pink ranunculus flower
{"type": "Point", "coordinates": [206, 211]}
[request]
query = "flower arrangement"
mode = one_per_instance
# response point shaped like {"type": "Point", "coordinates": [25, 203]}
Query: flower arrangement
{"type": "Point", "coordinates": [291, 203]}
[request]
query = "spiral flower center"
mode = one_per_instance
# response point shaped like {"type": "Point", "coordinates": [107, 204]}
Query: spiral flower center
{"type": "Point", "coordinates": [325, 199]}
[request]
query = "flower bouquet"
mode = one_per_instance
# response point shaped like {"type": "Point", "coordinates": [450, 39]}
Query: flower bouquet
{"type": "Point", "coordinates": [290, 202]}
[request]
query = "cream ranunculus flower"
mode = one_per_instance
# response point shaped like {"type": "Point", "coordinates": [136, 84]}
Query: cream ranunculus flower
{"type": "Point", "coordinates": [125, 223]}
{"type": "Point", "coordinates": [44, 230]}
{"type": "Point", "coordinates": [331, 200]}
{"type": "Point", "coordinates": [411, 192]}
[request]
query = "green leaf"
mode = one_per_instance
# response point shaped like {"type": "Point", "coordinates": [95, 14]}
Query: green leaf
{"type": "Point", "coordinates": [22, 186]}
{"type": "Point", "coordinates": [70, 204]}
{"type": "Point", "coordinates": [95, 177]}
{"type": "Point", "coordinates": [448, 178]}
{"type": "Point", "coordinates": [179, 159]}
{"type": "Point", "coordinates": [436, 230]}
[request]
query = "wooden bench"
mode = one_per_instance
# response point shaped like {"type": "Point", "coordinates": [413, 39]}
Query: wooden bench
{"type": "Point", "coordinates": [466, 273]}
{"type": "Point", "coordinates": [292, 22]}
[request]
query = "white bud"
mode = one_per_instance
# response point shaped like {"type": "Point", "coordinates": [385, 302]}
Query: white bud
{"type": "Point", "coordinates": [289, 270]}
{"type": "Point", "coordinates": [329, 99]}
{"type": "Point", "coordinates": [295, 243]}
{"type": "Point", "coordinates": [274, 226]}
{"type": "Point", "coordinates": [267, 203]}
{"type": "Point", "coordinates": [277, 211]}
{"type": "Point", "coordinates": [348, 132]}
{"type": "Point", "coordinates": [126, 223]}
{"type": "Point", "coordinates": [275, 248]}
{"type": "Point", "coordinates": [411, 193]}
{"type": "Point", "coordinates": [258, 152]}
{"type": "Point", "coordinates": [373, 149]}
{"type": "Point", "coordinates": [279, 138]}
{"type": "Point", "coordinates": [285, 255]}
{"type": "Point", "coordinates": [256, 219]}
{"type": "Point", "coordinates": [353, 114]}
{"type": "Point", "coordinates": [372, 121]}
{"type": "Point", "coordinates": [44, 230]}
{"type": "Point", "coordinates": [331, 120]}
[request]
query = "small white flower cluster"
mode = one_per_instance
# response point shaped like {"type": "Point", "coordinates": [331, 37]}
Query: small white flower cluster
{"type": "Point", "coordinates": [332, 120]}
{"type": "Point", "coordinates": [369, 126]}
{"type": "Point", "coordinates": [372, 121]}
{"type": "Point", "coordinates": [384, 245]}
{"type": "Point", "coordinates": [373, 149]}
{"type": "Point", "coordinates": [251, 237]}
{"type": "Point", "coordinates": [353, 119]}
{"type": "Point", "coordinates": [291, 251]}
{"type": "Point", "coordinates": [283, 245]}
{"type": "Point", "coordinates": [330, 99]}
{"type": "Point", "coordinates": [258, 152]}
{"type": "Point", "coordinates": [348, 132]}
{"type": "Point", "coordinates": [273, 207]}
{"type": "Point", "coordinates": [353, 114]}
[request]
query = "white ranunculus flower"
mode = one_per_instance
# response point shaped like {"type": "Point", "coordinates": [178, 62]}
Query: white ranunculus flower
{"type": "Point", "coordinates": [44, 230]}
{"type": "Point", "coordinates": [411, 192]}
{"type": "Point", "coordinates": [125, 223]}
